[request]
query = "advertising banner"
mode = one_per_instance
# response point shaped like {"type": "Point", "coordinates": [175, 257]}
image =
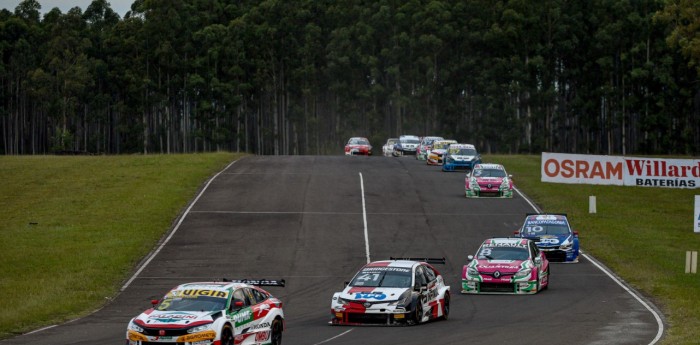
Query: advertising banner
{"type": "Point", "coordinates": [618, 170]}
{"type": "Point", "coordinates": [697, 214]}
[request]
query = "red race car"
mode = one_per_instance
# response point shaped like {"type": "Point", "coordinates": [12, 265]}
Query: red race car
{"type": "Point", "coordinates": [358, 146]}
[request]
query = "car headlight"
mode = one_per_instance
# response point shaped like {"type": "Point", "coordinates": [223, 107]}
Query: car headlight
{"type": "Point", "coordinates": [504, 183]}
{"type": "Point", "coordinates": [134, 327]}
{"type": "Point", "coordinates": [449, 159]}
{"type": "Point", "coordinates": [566, 245]}
{"type": "Point", "coordinates": [343, 301]}
{"type": "Point", "coordinates": [471, 271]}
{"type": "Point", "coordinates": [199, 328]}
{"type": "Point", "coordinates": [523, 273]}
{"type": "Point", "coordinates": [403, 301]}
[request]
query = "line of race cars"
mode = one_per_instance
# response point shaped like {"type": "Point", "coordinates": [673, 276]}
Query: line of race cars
{"type": "Point", "coordinates": [410, 291]}
{"type": "Point", "coordinates": [398, 291]}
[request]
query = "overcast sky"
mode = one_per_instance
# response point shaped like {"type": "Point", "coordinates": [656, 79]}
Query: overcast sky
{"type": "Point", "coordinates": [119, 6]}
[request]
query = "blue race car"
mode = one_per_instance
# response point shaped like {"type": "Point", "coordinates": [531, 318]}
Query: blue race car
{"type": "Point", "coordinates": [460, 156]}
{"type": "Point", "coordinates": [553, 235]}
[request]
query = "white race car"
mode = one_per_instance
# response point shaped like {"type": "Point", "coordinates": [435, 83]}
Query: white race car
{"type": "Point", "coordinates": [388, 148]}
{"type": "Point", "coordinates": [393, 292]}
{"type": "Point", "coordinates": [212, 313]}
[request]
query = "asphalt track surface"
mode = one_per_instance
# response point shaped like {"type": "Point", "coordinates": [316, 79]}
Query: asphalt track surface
{"type": "Point", "coordinates": [302, 219]}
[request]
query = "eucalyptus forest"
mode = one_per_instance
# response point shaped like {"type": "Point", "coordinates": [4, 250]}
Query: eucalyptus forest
{"type": "Point", "coordinates": [299, 77]}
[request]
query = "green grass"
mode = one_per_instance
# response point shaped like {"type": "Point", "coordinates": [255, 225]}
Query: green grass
{"type": "Point", "coordinates": [641, 233]}
{"type": "Point", "coordinates": [73, 228]}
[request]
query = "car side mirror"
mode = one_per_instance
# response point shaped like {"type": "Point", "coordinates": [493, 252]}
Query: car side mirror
{"type": "Point", "coordinates": [538, 260]}
{"type": "Point", "coordinates": [346, 284]}
{"type": "Point", "coordinates": [154, 302]}
{"type": "Point", "coordinates": [470, 257]}
{"type": "Point", "coordinates": [575, 233]}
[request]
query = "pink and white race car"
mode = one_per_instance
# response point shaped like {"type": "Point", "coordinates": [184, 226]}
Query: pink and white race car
{"type": "Point", "coordinates": [506, 265]}
{"type": "Point", "coordinates": [488, 180]}
{"type": "Point", "coordinates": [393, 292]}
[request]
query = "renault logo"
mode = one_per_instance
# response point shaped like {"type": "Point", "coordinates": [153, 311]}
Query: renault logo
{"type": "Point", "coordinates": [367, 304]}
{"type": "Point", "coordinates": [489, 186]}
{"type": "Point", "coordinates": [496, 274]}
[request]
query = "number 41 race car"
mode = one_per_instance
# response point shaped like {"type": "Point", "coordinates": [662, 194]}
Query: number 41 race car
{"type": "Point", "coordinates": [212, 313]}
{"type": "Point", "coordinates": [393, 292]}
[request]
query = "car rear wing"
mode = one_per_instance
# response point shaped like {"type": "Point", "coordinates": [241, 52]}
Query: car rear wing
{"type": "Point", "coordinates": [440, 261]}
{"type": "Point", "coordinates": [258, 282]}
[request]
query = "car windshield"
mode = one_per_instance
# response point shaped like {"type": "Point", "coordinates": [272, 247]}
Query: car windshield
{"type": "Point", "coordinates": [383, 277]}
{"type": "Point", "coordinates": [503, 253]}
{"type": "Point", "coordinates": [182, 300]}
{"type": "Point", "coordinates": [391, 141]}
{"type": "Point", "coordinates": [462, 151]}
{"type": "Point", "coordinates": [489, 173]}
{"type": "Point", "coordinates": [359, 142]}
{"type": "Point", "coordinates": [553, 227]}
{"type": "Point", "coordinates": [440, 145]}
{"type": "Point", "coordinates": [410, 141]}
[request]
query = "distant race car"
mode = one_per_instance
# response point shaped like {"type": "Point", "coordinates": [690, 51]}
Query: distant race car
{"type": "Point", "coordinates": [553, 235]}
{"type": "Point", "coordinates": [507, 266]}
{"type": "Point", "coordinates": [393, 292]}
{"type": "Point", "coordinates": [425, 146]}
{"type": "Point", "coordinates": [212, 313]}
{"type": "Point", "coordinates": [388, 148]}
{"type": "Point", "coordinates": [437, 151]}
{"type": "Point", "coordinates": [488, 180]}
{"type": "Point", "coordinates": [407, 145]}
{"type": "Point", "coordinates": [358, 146]}
{"type": "Point", "coordinates": [460, 156]}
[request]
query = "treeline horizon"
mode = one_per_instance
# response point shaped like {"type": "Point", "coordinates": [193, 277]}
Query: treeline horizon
{"type": "Point", "coordinates": [300, 77]}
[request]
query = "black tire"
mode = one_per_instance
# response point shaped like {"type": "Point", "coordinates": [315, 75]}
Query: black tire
{"type": "Point", "coordinates": [417, 312]}
{"type": "Point", "coordinates": [446, 307]}
{"type": "Point", "coordinates": [276, 332]}
{"type": "Point", "coordinates": [227, 335]}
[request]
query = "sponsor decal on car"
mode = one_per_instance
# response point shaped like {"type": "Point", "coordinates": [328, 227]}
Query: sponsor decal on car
{"type": "Point", "coordinates": [242, 317]}
{"type": "Point", "coordinates": [370, 295]}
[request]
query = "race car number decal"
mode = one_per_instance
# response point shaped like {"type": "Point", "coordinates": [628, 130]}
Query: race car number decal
{"type": "Point", "coordinates": [535, 228]}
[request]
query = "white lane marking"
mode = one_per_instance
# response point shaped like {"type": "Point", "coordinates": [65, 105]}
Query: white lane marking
{"type": "Point", "coordinates": [634, 294]}
{"type": "Point", "coordinates": [364, 216]}
{"type": "Point", "coordinates": [528, 200]}
{"type": "Point", "coordinates": [659, 322]}
{"type": "Point", "coordinates": [337, 336]}
{"type": "Point", "coordinates": [177, 226]}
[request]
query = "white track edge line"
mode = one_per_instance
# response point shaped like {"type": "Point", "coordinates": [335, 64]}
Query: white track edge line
{"type": "Point", "coordinates": [633, 293]}
{"type": "Point", "coordinates": [337, 336]}
{"type": "Point", "coordinates": [177, 226]}
{"type": "Point", "coordinates": [364, 216]}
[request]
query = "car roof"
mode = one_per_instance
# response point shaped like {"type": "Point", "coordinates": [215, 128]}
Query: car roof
{"type": "Point", "coordinates": [547, 216]}
{"type": "Point", "coordinates": [489, 166]}
{"type": "Point", "coordinates": [219, 286]}
{"type": "Point", "coordinates": [506, 242]}
{"type": "Point", "coordinates": [409, 137]}
{"type": "Point", "coordinates": [392, 263]}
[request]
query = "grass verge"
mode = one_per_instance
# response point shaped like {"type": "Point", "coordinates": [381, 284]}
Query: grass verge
{"type": "Point", "coordinates": [73, 228]}
{"type": "Point", "coordinates": [642, 233]}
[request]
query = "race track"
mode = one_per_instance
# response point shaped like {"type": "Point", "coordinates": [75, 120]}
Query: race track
{"type": "Point", "coordinates": [302, 219]}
